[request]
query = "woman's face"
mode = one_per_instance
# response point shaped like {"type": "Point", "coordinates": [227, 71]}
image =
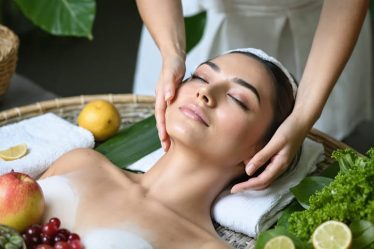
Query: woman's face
{"type": "Point", "coordinates": [224, 110]}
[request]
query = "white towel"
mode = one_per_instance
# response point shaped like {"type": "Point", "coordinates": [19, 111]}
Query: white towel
{"type": "Point", "coordinates": [47, 137]}
{"type": "Point", "coordinates": [252, 212]}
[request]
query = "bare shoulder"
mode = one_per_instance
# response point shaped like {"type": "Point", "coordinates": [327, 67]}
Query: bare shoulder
{"type": "Point", "coordinates": [216, 244]}
{"type": "Point", "coordinates": [73, 160]}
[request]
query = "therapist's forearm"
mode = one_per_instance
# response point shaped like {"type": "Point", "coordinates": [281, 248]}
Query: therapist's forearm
{"type": "Point", "coordinates": [336, 35]}
{"type": "Point", "coordinates": [164, 20]}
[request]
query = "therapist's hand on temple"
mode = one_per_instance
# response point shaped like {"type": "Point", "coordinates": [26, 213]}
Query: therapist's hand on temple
{"type": "Point", "coordinates": [171, 76]}
{"type": "Point", "coordinates": [279, 152]}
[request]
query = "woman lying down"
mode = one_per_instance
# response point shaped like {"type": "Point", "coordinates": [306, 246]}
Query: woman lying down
{"type": "Point", "coordinates": [226, 111]}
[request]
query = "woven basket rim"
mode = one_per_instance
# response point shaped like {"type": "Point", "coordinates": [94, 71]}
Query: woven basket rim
{"type": "Point", "coordinates": [47, 105]}
{"type": "Point", "coordinates": [12, 38]}
{"type": "Point", "coordinates": [9, 43]}
{"type": "Point", "coordinates": [79, 101]}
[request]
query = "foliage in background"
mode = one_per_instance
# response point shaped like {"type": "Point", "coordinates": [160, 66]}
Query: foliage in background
{"type": "Point", "coordinates": [195, 26]}
{"type": "Point", "coordinates": [76, 18]}
{"type": "Point", "coordinates": [59, 17]}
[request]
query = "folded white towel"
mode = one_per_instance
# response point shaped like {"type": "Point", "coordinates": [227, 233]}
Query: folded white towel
{"type": "Point", "coordinates": [47, 137]}
{"type": "Point", "coordinates": [252, 212]}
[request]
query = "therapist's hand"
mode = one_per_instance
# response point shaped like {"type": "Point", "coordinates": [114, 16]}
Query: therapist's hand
{"type": "Point", "coordinates": [279, 151]}
{"type": "Point", "coordinates": [172, 72]}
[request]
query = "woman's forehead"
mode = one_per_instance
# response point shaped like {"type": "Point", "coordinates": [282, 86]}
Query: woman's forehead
{"type": "Point", "coordinates": [242, 66]}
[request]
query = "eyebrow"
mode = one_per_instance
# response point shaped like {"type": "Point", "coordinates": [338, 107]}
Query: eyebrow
{"type": "Point", "coordinates": [237, 80]}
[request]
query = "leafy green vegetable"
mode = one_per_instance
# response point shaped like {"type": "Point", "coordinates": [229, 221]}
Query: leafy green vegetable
{"type": "Point", "coordinates": [348, 198]}
{"type": "Point", "coordinates": [349, 159]}
{"type": "Point", "coordinates": [286, 213]}
{"type": "Point", "coordinates": [307, 187]}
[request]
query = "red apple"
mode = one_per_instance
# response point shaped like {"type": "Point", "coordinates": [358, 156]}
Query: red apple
{"type": "Point", "coordinates": [21, 201]}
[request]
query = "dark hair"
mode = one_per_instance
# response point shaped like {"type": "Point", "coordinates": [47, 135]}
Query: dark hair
{"type": "Point", "coordinates": [283, 101]}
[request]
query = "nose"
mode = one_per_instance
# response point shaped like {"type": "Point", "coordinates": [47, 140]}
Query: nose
{"type": "Point", "coordinates": [205, 96]}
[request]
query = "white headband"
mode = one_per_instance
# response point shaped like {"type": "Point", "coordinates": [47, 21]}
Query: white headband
{"type": "Point", "coordinates": [264, 56]}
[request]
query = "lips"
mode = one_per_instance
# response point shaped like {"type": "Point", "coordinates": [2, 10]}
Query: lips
{"type": "Point", "coordinates": [193, 111]}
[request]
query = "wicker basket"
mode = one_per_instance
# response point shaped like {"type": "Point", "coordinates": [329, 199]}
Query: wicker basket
{"type": "Point", "coordinates": [134, 108]}
{"type": "Point", "coordinates": [8, 57]}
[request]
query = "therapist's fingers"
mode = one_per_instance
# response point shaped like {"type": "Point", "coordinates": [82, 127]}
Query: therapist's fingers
{"type": "Point", "coordinates": [279, 151]}
{"type": "Point", "coordinates": [273, 148]}
{"type": "Point", "coordinates": [171, 75]}
{"type": "Point", "coordinates": [273, 170]}
{"type": "Point", "coordinates": [160, 108]}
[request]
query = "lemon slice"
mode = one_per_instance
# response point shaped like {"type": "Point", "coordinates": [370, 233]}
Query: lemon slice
{"type": "Point", "coordinates": [280, 242]}
{"type": "Point", "coordinates": [332, 235]}
{"type": "Point", "coordinates": [14, 152]}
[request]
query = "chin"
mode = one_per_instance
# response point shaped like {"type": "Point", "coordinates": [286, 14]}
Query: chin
{"type": "Point", "coordinates": [184, 133]}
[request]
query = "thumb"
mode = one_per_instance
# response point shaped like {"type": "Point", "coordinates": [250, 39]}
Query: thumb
{"type": "Point", "coordinates": [169, 90]}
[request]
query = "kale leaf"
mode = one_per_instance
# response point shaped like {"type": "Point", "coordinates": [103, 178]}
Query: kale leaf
{"type": "Point", "coordinates": [349, 197]}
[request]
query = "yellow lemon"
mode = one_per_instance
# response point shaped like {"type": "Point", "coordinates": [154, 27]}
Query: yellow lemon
{"type": "Point", "coordinates": [101, 118]}
{"type": "Point", "coordinates": [14, 152]}
{"type": "Point", "coordinates": [332, 235]}
{"type": "Point", "coordinates": [280, 242]}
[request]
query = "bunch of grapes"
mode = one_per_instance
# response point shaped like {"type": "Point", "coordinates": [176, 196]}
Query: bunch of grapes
{"type": "Point", "coordinates": [51, 236]}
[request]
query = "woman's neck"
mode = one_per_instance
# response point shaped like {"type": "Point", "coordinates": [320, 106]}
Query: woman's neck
{"type": "Point", "coordinates": [188, 183]}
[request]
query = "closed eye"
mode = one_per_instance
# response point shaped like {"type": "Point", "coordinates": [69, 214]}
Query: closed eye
{"type": "Point", "coordinates": [195, 76]}
{"type": "Point", "coordinates": [240, 103]}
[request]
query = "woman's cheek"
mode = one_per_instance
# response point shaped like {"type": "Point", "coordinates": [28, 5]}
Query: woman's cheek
{"type": "Point", "coordinates": [233, 125]}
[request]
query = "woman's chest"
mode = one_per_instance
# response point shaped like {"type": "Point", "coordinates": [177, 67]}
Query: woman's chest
{"type": "Point", "coordinates": [159, 226]}
{"type": "Point", "coordinates": [97, 208]}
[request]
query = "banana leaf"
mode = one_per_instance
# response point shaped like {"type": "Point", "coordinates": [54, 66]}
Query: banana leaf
{"type": "Point", "coordinates": [61, 17]}
{"type": "Point", "coordinates": [131, 143]}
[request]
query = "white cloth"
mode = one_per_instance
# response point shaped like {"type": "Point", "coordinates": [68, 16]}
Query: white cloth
{"type": "Point", "coordinates": [47, 137]}
{"type": "Point", "coordinates": [251, 212]}
{"type": "Point", "coordinates": [114, 239]}
{"type": "Point", "coordinates": [283, 29]}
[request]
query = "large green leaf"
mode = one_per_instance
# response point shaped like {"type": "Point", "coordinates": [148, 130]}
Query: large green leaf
{"type": "Point", "coordinates": [331, 171]}
{"type": "Point", "coordinates": [278, 231]}
{"type": "Point", "coordinates": [132, 143]}
{"type": "Point", "coordinates": [307, 187]}
{"type": "Point", "coordinates": [195, 26]}
{"type": "Point", "coordinates": [61, 17]}
{"type": "Point", "coordinates": [363, 234]}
